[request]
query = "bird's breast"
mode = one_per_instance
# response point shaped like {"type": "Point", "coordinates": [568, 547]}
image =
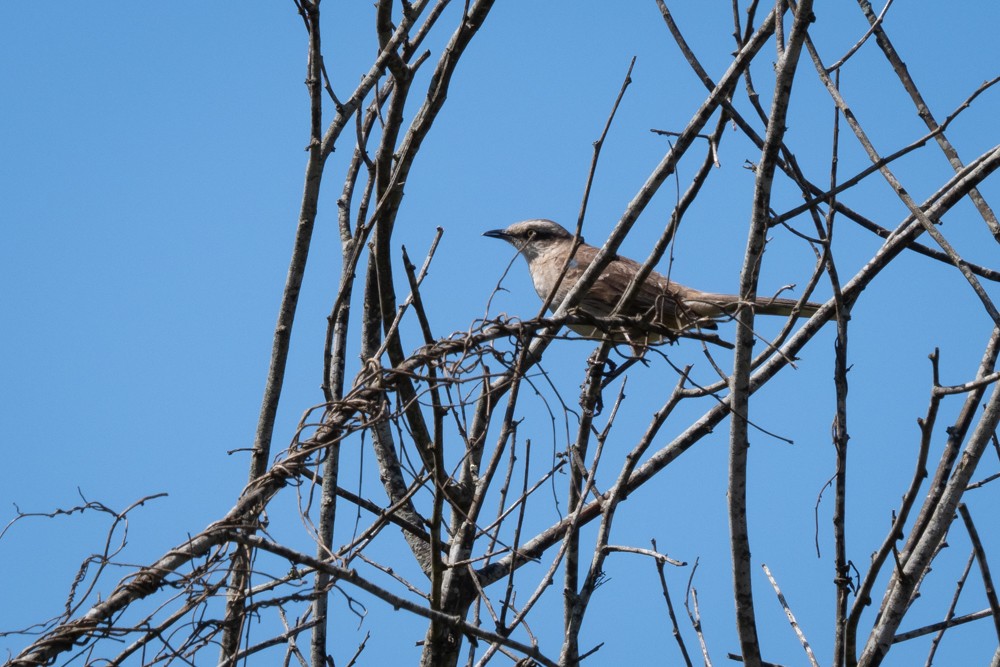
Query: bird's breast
{"type": "Point", "coordinates": [545, 274]}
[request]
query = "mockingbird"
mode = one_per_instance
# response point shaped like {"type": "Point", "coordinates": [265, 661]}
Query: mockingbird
{"type": "Point", "coordinates": [659, 309]}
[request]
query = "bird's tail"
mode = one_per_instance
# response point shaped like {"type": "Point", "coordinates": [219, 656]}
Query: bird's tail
{"type": "Point", "coordinates": [706, 304]}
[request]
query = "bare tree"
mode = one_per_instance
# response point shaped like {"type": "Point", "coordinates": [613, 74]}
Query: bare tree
{"type": "Point", "coordinates": [462, 480]}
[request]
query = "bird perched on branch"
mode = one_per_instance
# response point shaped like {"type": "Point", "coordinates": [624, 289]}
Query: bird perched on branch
{"type": "Point", "coordinates": [660, 309]}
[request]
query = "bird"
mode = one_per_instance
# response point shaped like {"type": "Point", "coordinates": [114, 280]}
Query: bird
{"type": "Point", "coordinates": [660, 310]}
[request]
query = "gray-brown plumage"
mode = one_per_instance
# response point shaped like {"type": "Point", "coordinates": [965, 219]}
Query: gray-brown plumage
{"type": "Point", "coordinates": [664, 304]}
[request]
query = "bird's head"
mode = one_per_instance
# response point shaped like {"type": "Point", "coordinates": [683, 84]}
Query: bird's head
{"type": "Point", "coordinates": [532, 237]}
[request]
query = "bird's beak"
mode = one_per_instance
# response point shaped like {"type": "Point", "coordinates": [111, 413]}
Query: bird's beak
{"type": "Point", "coordinates": [497, 234]}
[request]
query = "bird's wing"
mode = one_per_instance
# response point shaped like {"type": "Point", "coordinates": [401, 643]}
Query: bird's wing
{"type": "Point", "coordinates": [656, 299]}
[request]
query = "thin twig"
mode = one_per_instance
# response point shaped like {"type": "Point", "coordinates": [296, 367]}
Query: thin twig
{"type": "Point", "coordinates": [791, 617]}
{"type": "Point", "coordinates": [984, 566]}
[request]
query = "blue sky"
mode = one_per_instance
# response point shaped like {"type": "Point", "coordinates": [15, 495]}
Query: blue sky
{"type": "Point", "coordinates": [151, 176]}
